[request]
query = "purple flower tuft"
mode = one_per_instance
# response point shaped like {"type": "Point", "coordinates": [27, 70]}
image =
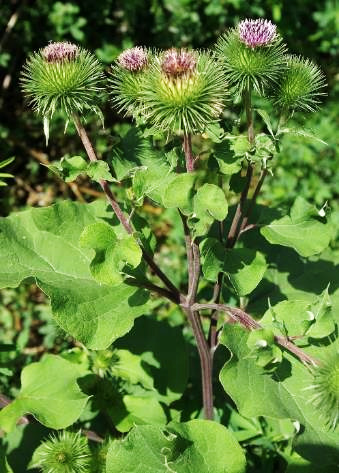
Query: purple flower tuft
{"type": "Point", "coordinates": [134, 59]}
{"type": "Point", "coordinates": [59, 52]}
{"type": "Point", "coordinates": [257, 32]}
{"type": "Point", "coordinates": [177, 62]}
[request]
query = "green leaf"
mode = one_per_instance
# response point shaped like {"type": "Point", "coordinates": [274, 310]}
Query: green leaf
{"type": "Point", "coordinates": [283, 394]}
{"type": "Point", "coordinates": [132, 368]}
{"type": "Point", "coordinates": [99, 170]}
{"type": "Point", "coordinates": [196, 446]}
{"type": "Point", "coordinates": [300, 317]}
{"type": "Point", "coordinates": [178, 192]}
{"type": "Point", "coordinates": [291, 231]}
{"type": "Point", "coordinates": [229, 162]}
{"type": "Point", "coordinates": [265, 116]}
{"type": "Point", "coordinates": [69, 169]}
{"type": "Point", "coordinates": [50, 392]}
{"type": "Point", "coordinates": [111, 253]}
{"type": "Point", "coordinates": [261, 344]}
{"type": "Point", "coordinates": [6, 162]}
{"type": "Point", "coordinates": [301, 132]}
{"type": "Point", "coordinates": [210, 201]}
{"type": "Point", "coordinates": [209, 204]}
{"type": "Point", "coordinates": [244, 267]}
{"type": "Point", "coordinates": [44, 244]}
{"type": "Point", "coordinates": [212, 257]}
{"type": "Point", "coordinates": [137, 410]}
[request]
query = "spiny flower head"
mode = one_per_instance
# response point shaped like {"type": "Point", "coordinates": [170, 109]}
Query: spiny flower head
{"type": "Point", "coordinates": [66, 452]}
{"type": "Point", "coordinates": [184, 91]}
{"type": "Point", "coordinates": [325, 388]}
{"type": "Point", "coordinates": [301, 85]}
{"type": "Point", "coordinates": [133, 59]}
{"type": "Point", "coordinates": [253, 57]}
{"type": "Point", "coordinates": [59, 52]}
{"type": "Point", "coordinates": [126, 79]}
{"type": "Point", "coordinates": [178, 62]}
{"type": "Point", "coordinates": [62, 76]}
{"type": "Point", "coordinates": [256, 33]}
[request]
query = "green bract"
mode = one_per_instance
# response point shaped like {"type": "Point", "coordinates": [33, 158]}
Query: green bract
{"type": "Point", "coordinates": [70, 84]}
{"type": "Point", "coordinates": [300, 85]}
{"type": "Point", "coordinates": [248, 67]}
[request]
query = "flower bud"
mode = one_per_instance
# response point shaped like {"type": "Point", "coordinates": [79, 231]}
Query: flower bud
{"type": "Point", "coordinates": [59, 52]}
{"type": "Point", "coordinates": [177, 63]}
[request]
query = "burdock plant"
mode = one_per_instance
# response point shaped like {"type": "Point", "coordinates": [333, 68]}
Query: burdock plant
{"type": "Point", "coordinates": [103, 275]}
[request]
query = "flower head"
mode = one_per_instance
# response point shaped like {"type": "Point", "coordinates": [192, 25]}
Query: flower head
{"type": "Point", "coordinates": [65, 453]}
{"type": "Point", "coordinates": [301, 85]}
{"type": "Point", "coordinates": [134, 59]}
{"type": "Point", "coordinates": [59, 52]}
{"type": "Point", "coordinates": [177, 62]}
{"type": "Point", "coordinates": [253, 56]}
{"type": "Point", "coordinates": [62, 76]}
{"type": "Point", "coordinates": [256, 33]}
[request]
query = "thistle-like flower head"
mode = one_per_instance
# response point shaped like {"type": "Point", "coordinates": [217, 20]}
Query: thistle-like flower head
{"type": "Point", "coordinates": [301, 85]}
{"type": "Point", "coordinates": [62, 76]}
{"type": "Point", "coordinates": [133, 59]}
{"type": "Point", "coordinates": [59, 52]}
{"type": "Point", "coordinates": [325, 389]}
{"type": "Point", "coordinates": [184, 91]}
{"type": "Point", "coordinates": [256, 33]}
{"type": "Point", "coordinates": [65, 453]}
{"type": "Point", "coordinates": [178, 62]}
{"type": "Point", "coordinates": [253, 56]}
{"type": "Point", "coordinates": [126, 79]}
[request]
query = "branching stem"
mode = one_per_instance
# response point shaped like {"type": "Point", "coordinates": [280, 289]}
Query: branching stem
{"type": "Point", "coordinates": [249, 323]}
{"type": "Point", "coordinates": [117, 210]}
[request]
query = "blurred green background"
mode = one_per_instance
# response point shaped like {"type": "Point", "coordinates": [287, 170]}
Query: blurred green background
{"type": "Point", "coordinates": [108, 26]}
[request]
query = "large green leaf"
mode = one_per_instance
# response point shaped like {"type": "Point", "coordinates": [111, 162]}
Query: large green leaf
{"type": "Point", "coordinates": [283, 394]}
{"type": "Point", "coordinates": [302, 230]}
{"type": "Point", "coordinates": [197, 446]}
{"type": "Point", "coordinates": [178, 192]}
{"type": "Point", "coordinates": [44, 244]}
{"type": "Point", "coordinates": [209, 204]}
{"type": "Point", "coordinates": [50, 392]}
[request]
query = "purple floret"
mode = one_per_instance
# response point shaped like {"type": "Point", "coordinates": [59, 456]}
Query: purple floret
{"type": "Point", "coordinates": [59, 52]}
{"type": "Point", "coordinates": [256, 33]}
{"type": "Point", "coordinates": [177, 62]}
{"type": "Point", "coordinates": [134, 59]}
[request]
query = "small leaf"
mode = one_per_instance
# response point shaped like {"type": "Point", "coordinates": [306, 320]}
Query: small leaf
{"type": "Point", "coordinates": [111, 254]}
{"type": "Point", "coordinates": [72, 167]}
{"type": "Point", "coordinates": [99, 170]}
{"type": "Point", "coordinates": [265, 116]}
{"type": "Point", "coordinates": [210, 201]}
{"type": "Point", "coordinates": [301, 132]}
{"type": "Point", "coordinates": [49, 391]}
{"type": "Point", "coordinates": [229, 163]}
{"type": "Point", "coordinates": [212, 256]}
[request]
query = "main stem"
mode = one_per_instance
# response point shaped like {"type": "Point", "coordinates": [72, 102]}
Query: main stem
{"type": "Point", "coordinates": [193, 263]}
{"type": "Point", "coordinates": [119, 213]}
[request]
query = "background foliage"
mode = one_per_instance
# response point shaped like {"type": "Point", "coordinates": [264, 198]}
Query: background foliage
{"type": "Point", "coordinates": [308, 168]}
